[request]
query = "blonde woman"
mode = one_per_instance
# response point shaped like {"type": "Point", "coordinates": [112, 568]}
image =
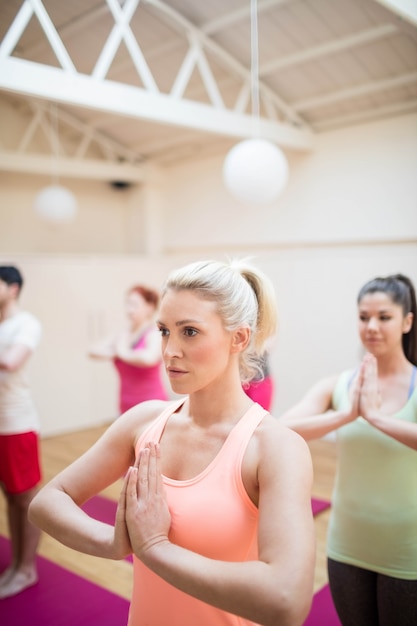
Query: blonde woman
{"type": "Point", "coordinates": [216, 502]}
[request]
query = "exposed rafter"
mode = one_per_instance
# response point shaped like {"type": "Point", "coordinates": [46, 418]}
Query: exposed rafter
{"type": "Point", "coordinates": [230, 18]}
{"type": "Point", "coordinates": [354, 92]}
{"type": "Point", "coordinates": [365, 116]}
{"type": "Point", "coordinates": [70, 151]}
{"type": "Point", "coordinates": [149, 62]}
{"type": "Point", "coordinates": [95, 91]}
{"type": "Point", "coordinates": [372, 34]}
{"type": "Point", "coordinates": [193, 33]}
{"type": "Point", "coordinates": [406, 9]}
{"type": "Point", "coordinates": [53, 84]}
{"type": "Point", "coordinates": [91, 169]}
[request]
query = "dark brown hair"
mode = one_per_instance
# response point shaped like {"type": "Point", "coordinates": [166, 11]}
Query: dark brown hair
{"type": "Point", "coordinates": [401, 291]}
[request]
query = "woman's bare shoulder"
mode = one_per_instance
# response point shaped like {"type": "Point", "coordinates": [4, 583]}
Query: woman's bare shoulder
{"type": "Point", "coordinates": [279, 456]}
{"type": "Point", "coordinates": [275, 434]}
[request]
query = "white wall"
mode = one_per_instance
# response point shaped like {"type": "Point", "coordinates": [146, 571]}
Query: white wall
{"type": "Point", "coordinates": [348, 214]}
{"type": "Point", "coordinates": [78, 299]}
{"type": "Point", "coordinates": [359, 184]}
{"type": "Point", "coordinates": [100, 225]}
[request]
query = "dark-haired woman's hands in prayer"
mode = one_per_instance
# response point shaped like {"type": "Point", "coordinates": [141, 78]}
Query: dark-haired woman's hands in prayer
{"type": "Point", "coordinates": [355, 394]}
{"type": "Point", "coordinates": [370, 397]}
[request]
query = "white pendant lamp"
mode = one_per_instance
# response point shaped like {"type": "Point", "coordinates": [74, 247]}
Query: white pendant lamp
{"type": "Point", "coordinates": [255, 170]}
{"type": "Point", "coordinates": [55, 203]}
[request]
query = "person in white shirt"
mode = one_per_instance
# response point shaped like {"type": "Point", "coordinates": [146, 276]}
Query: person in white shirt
{"type": "Point", "coordinates": [20, 467]}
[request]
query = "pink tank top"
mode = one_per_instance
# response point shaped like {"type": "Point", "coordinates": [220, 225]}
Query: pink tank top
{"type": "Point", "coordinates": [212, 515]}
{"type": "Point", "coordinates": [137, 383]}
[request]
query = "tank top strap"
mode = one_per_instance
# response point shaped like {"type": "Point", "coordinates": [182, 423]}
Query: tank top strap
{"type": "Point", "coordinates": [239, 437]}
{"type": "Point", "coordinates": [154, 431]}
{"type": "Point", "coordinates": [412, 381]}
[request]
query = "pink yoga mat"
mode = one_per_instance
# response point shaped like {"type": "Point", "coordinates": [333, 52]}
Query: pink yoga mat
{"type": "Point", "coordinates": [60, 598]}
{"type": "Point", "coordinates": [104, 509]}
{"type": "Point", "coordinates": [322, 611]}
{"type": "Point", "coordinates": [319, 505]}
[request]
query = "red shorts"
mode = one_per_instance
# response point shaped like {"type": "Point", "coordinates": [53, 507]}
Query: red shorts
{"type": "Point", "coordinates": [19, 462]}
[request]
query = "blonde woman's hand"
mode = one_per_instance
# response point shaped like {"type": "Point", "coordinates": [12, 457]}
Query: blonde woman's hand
{"type": "Point", "coordinates": [122, 545]}
{"type": "Point", "coordinates": [147, 514]}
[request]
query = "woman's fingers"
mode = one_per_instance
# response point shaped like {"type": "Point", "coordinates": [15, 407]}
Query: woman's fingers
{"type": "Point", "coordinates": [122, 496]}
{"type": "Point", "coordinates": [154, 473]}
{"type": "Point", "coordinates": [145, 476]}
{"type": "Point", "coordinates": [132, 485]}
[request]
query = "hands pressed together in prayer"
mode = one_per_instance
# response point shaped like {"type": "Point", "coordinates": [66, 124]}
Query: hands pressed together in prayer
{"type": "Point", "coordinates": [370, 396]}
{"type": "Point", "coordinates": [365, 395]}
{"type": "Point", "coordinates": [143, 518]}
{"type": "Point", "coordinates": [366, 403]}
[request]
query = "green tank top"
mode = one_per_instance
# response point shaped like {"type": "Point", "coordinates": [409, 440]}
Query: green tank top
{"type": "Point", "coordinates": [373, 523]}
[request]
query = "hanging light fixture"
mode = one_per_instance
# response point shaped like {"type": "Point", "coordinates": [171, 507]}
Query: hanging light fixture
{"type": "Point", "coordinates": [55, 203]}
{"type": "Point", "coordinates": [255, 170]}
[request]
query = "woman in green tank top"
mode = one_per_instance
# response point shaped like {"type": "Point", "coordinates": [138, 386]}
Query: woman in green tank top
{"type": "Point", "coordinates": [372, 540]}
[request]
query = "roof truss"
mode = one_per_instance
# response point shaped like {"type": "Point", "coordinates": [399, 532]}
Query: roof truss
{"type": "Point", "coordinates": [64, 84]}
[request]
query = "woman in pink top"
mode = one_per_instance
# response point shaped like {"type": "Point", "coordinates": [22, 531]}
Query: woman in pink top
{"type": "Point", "coordinates": [261, 388]}
{"type": "Point", "coordinates": [215, 505]}
{"type": "Point", "coordinates": [136, 351]}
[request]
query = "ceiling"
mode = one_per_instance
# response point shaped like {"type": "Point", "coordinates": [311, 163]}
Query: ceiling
{"type": "Point", "coordinates": [112, 83]}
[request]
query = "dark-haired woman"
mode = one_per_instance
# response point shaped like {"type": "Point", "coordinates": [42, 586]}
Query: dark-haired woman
{"type": "Point", "coordinates": [372, 541]}
{"type": "Point", "coordinates": [136, 350]}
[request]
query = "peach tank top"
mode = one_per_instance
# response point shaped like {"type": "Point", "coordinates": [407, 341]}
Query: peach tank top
{"type": "Point", "coordinates": [211, 515]}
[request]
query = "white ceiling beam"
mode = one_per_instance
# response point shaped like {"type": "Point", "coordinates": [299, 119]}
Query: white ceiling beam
{"type": "Point", "coordinates": [224, 57]}
{"type": "Point", "coordinates": [30, 131]}
{"type": "Point", "coordinates": [113, 149]}
{"type": "Point", "coordinates": [83, 145]}
{"type": "Point", "coordinates": [121, 30]}
{"type": "Point", "coordinates": [354, 92]}
{"type": "Point", "coordinates": [399, 108]}
{"type": "Point", "coordinates": [49, 83]}
{"type": "Point", "coordinates": [330, 47]}
{"type": "Point", "coordinates": [208, 79]}
{"type": "Point", "coordinates": [89, 169]}
{"type": "Point", "coordinates": [160, 145]}
{"type": "Point", "coordinates": [243, 98]}
{"type": "Point", "coordinates": [406, 9]}
{"type": "Point", "coordinates": [36, 7]}
{"type": "Point", "coordinates": [122, 18]}
{"type": "Point", "coordinates": [227, 20]}
{"type": "Point", "coordinates": [184, 73]}
{"type": "Point", "coordinates": [83, 21]}
{"type": "Point", "coordinates": [16, 29]}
